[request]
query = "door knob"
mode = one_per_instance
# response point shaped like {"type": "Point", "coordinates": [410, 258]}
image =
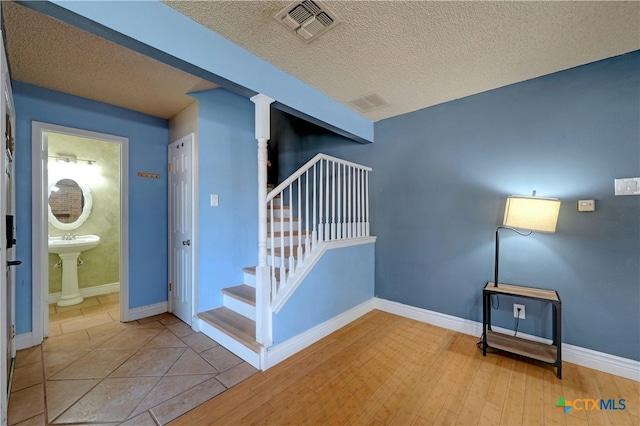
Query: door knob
{"type": "Point", "coordinates": [186, 243]}
{"type": "Point", "coordinates": [14, 262]}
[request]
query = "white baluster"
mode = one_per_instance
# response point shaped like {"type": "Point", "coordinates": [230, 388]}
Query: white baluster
{"type": "Point", "coordinates": [339, 201]}
{"type": "Point", "coordinates": [299, 215]}
{"type": "Point", "coordinates": [292, 264]}
{"type": "Point", "coordinates": [307, 246]}
{"type": "Point", "coordinates": [333, 200]}
{"type": "Point", "coordinates": [367, 224]}
{"type": "Point", "coordinates": [274, 287]}
{"type": "Point", "coordinates": [349, 202]}
{"type": "Point", "coordinates": [320, 209]}
{"type": "Point", "coordinates": [314, 237]}
{"type": "Point", "coordinates": [327, 220]}
{"type": "Point", "coordinates": [283, 282]}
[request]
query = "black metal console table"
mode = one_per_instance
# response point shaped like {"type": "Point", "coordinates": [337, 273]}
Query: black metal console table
{"type": "Point", "coordinates": [551, 354]}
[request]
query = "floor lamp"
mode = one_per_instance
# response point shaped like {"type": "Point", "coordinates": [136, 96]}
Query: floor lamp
{"type": "Point", "coordinates": [528, 214]}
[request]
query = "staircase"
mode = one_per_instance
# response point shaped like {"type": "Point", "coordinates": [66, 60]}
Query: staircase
{"type": "Point", "coordinates": [324, 202]}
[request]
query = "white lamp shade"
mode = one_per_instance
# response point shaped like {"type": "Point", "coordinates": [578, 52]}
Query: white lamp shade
{"type": "Point", "coordinates": [532, 213]}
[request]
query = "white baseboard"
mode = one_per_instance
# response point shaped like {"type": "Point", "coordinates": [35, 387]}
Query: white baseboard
{"type": "Point", "coordinates": [147, 311]}
{"type": "Point", "coordinates": [601, 361]}
{"type": "Point", "coordinates": [90, 291]}
{"type": "Point", "coordinates": [278, 353]}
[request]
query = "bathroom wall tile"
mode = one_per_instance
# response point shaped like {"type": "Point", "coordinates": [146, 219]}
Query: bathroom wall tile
{"type": "Point", "coordinates": [199, 342]}
{"type": "Point", "coordinates": [26, 404]}
{"type": "Point", "coordinates": [110, 401]}
{"type": "Point", "coordinates": [62, 394]}
{"type": "Point", "coordinates": [26, 376]}
{"type": "Point", "coordinates": [96, 364]}
{"type": "Point", "coordinates": [186, 401]}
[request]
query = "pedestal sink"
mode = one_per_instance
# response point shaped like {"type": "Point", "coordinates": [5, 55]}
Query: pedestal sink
{"type": "Point", "coordinates": [69, 248]}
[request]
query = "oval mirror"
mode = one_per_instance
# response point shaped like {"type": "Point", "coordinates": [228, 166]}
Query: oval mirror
{"type": "Point", "coordinates": [69, 204]}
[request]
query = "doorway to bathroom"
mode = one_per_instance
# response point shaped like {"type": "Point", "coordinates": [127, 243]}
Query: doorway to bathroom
{"type": "Point", "coordinates": [80, 233]}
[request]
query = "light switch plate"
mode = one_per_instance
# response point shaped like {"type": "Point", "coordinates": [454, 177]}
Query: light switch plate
{"type": "Point", "coordinates": [214, 200]}
{"type": "Point", "coordinates": [627, 186]}
{"type": "Point", "coordinates": [586, 205]}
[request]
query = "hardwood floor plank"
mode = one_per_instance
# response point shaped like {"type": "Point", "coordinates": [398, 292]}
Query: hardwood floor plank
{"type": "Point", "coordinates": [384, 369]}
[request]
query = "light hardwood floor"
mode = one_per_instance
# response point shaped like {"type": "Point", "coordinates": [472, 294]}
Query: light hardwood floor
{"type": "Point", "coordinates": [385, 369]}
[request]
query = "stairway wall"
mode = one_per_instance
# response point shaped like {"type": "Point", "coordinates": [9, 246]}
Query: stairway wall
{"type": "Point", "coordinates": [227, 163]}
{"type": "Point", "coordinates": [341, 280]}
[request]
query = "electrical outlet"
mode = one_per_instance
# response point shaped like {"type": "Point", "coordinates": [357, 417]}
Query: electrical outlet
{"type": "Point", "coordinates": [515, 310]}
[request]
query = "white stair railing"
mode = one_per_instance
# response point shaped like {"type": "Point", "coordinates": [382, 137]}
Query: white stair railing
{"type": "Point", "coordinates": [325, 200]}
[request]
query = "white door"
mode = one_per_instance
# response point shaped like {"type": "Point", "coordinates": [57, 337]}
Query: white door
{"type": "Point", "coordinates": [181, 244]}
{"type": "Point", "coordinates": [7, 315]}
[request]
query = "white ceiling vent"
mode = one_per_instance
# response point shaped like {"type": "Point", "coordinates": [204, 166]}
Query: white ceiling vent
{"type": "Point", "coordinates": [368, 102]}
{"type": "Point", "coordinates": [308, 19]}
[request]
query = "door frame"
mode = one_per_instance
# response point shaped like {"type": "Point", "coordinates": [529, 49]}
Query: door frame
{"type": "Point", "coordinates": [39, 250]}
{"type": "Point", "coordinates": [7, 304]}
{"type": "Point", "coordinates": [194, 226]}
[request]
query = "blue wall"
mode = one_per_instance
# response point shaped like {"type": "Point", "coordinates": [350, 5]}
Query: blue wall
{"type": "Point", "coordinates": [442, 174]}
{"type": "Point", "coordinates": [228, 166]}
{"type": "Point", "coordinates": [342, 279]}
{"type": "Point", "coordinates": [148, 140]}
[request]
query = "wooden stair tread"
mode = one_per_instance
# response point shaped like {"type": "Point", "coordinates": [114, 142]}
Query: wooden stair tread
{"type": "Point", "coordinates": [287, 251]}
{"type": "Point", "coordinates": [242, 292]}
{"type": "Point", "coordinates": [233, 324]}
{"type": "Point", "coordinates": [278, 207]}
{"type": "Point", "coordinates": [284, 219]}
{"type": "Point", "coordinates": [288, 233]}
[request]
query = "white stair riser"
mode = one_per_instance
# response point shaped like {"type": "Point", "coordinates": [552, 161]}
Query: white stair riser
{"type": "Point", "coordinates": [278, 213]}
{"type": "Point", "coordinates": [287, 241]}
{"type": "Point", "coordinates": [239, 306]}
{"type": "Point", "coordinates": [277, 261]}
{"type": "Point", "coordinates": [285, 225]}
{"type": "Point", "coordinates": [249, 279]}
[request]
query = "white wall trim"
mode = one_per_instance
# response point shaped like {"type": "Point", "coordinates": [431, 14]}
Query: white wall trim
{"type": "Point", "coordinates": [90, 291]}
{"type": "Point", "coordinates": [24, 341]}
{"type": "Point", "coordinates": [600, 361]}
{"type": "Point", "coordinates": [278, 353]}
{"type": "Point", "coordinates": [147, 311]}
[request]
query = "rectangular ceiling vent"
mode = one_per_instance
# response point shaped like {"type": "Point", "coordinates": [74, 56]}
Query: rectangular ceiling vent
{"type": "Point", "coordinates": [368, 102]}
{"type": "Point", "coordinates": [308, 19]}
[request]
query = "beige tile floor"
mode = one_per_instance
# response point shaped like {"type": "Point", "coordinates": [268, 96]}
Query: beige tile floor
{"type": "Point", "coordinates": [95, 369]}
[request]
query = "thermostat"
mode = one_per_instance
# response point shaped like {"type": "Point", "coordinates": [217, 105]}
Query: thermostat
{"type": "Point", "coordinates": [586, 205]}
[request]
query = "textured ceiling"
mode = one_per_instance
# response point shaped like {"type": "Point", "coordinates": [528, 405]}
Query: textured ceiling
{"type": "Point", "coordinates": [414, 54]}
{"type": "Point", "coordinates": [420, 53]}
{"type": "Point", "coordinates": [48, 53]}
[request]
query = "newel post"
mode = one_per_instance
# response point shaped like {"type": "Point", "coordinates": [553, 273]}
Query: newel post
{"type": "Point", "coordinates": [263, 287]}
